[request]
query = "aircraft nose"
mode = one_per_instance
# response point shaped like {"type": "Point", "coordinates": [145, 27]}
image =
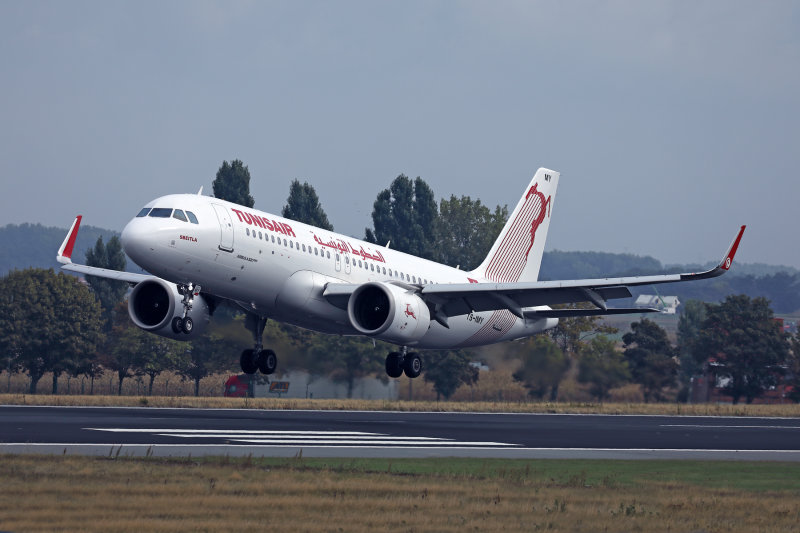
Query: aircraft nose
{"type": "Point", "coordinates": [134, 238]}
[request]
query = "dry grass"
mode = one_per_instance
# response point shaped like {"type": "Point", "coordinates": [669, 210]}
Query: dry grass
{"type": "Point", "coordinates": [785, 410]}
{"type": "Point", "coordinates": [75, 493]}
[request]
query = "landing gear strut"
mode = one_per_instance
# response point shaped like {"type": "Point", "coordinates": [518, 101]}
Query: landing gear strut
{"type": "Point", "coordinates": [185, 324]}
{"type": "Point", "coordinates": [257, 358]}
{"type": "Point", "coordinates": [406, 362]}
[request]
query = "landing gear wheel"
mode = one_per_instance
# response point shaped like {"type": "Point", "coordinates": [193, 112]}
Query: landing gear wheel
{"type": "Point", "coordinates": [188, 325]}
{"type": "Point", "coordinates": [394, 365]}
{"type": "Point", "coordinates": [248, 362]}
{"type": "Point", "coordinates": [267, 361]}
{"type": "Point", "coordinates": [177, 324]}
{"type": "Point", "coordinates": [412, 365]}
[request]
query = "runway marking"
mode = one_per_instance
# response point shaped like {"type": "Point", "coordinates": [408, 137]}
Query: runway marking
{"type": "Point", "coordinates": [310, 438]}
{"type": "Point", "coordinates": [701, 426]}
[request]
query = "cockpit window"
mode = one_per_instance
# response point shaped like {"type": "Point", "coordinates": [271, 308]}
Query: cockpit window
{"type": "Point", "coordinates": [179, 215]}
{"type": "Point", "coordinates": [143, 212]}
{"type": "Point", "coordinates": [192, 218]}
{"type": "Point", "coordinates": [161, 212]}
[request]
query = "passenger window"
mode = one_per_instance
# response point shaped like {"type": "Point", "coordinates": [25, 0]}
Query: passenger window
{"type": "Point", "coordinates": [161, 212]}
{"type": "Point", "coordinates": [414, 278]}
{"type": "Point", "coordinates": [328, 254]}
{"type": "Point", "coordinates": [273, 239]}
{"type": "Point", "coordinates": [347, 259]}
{"type": "Point", "coordinates": [304, 247]}
{"type": "Point", "coordinates": [359, 262]}
{"type": "Point", "coordinates": [192, 218]}
{"type": "Point", "coordinates": [179, 215]}
{"type": "Point", "coordinates": [247, 230]}
{"type": "Point", "coordinates": [291, 244]}
{"type": "Point", "coordinates": [384, 271]}
{"type": "Point", "coordinates": [316, 251]}
{"type": "Point", "coordinates": [372, 267]}
{"type": "Point", "coordinates": [143, 212]}
{"type": "Point", "coordinates": [259, 235]}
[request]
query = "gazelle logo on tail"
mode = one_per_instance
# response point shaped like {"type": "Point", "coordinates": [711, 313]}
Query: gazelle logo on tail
{"type": "Point", "coordinates": [540, 216]}
{"type": "Point", "coordinates": [517, 253]}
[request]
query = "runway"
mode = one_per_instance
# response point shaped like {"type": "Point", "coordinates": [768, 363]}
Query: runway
{"type": "Point", "coordinates": [240, 432]}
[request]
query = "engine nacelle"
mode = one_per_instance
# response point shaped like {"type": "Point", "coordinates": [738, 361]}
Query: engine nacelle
{"type": "Point", "coordinates": [153, 304]}
{"type": "Point", "coordinates": [388, 312]}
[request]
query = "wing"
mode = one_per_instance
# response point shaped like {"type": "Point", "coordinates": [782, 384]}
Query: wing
{"type": "Point", "coordinates": [447, 300]}
{"type": "Point", "coordinates": [65, 258]}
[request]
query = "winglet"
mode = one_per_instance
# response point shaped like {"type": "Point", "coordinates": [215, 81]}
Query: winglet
{"type": "Point", "coordinates": [65, 251]}
{"type": "Point", "coordinates": [727, 261]}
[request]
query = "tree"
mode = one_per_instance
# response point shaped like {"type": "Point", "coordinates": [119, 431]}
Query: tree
{"type": "Point", "coordinates": [110, 292]}
{"type": "Point", "coordinates": [792, 379]}
{"type": "Point", "coordinates": [693, 312]}
{"type": "Point", "coordinates": [48, 320]}
{"type": "Point", "coordinates": [543, 367]}
{"type": "Point", "coordinates": [303, 206]}
{"type": "Point", "coordinates": [466, 230]}
{"type": "Point", "coordinates": [742, 335]}
{"type": "Point", "coordinates": [233, 183]}
{"type": "Point", "coordinates": [206, 355]}
{"type": "Point", "coordinates": [347, 359]}
{"type": "Point", "coordinates": [448, 370]}
{"type": "Point", "coordinates": [158, 354]}
{"type": "Point", "coordinates": [571, 333]}
{"type": "Point", "coordinates": [405, 214]}
{"type": "Point", "coordinates": [651, 358]}
{"type": "Point", "coordinates": [602, 366]}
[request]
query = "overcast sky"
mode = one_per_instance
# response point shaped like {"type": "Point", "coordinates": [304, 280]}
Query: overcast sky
{"type": "Point", "coordinates": [672, 123]}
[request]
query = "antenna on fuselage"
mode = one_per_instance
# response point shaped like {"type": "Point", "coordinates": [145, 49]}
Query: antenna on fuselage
{"type": "Point", "coordinates": [200, 192]}
{"type": "Point", "coordinates": [387, 244]}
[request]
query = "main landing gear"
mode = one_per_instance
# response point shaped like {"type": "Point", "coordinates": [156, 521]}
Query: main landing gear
{"type": "Point", "coordinates": [398, 363]}
{"type": "Point", "coordinates": [185, 324]}
{"type": "Point", "coordinates": [257, 358]}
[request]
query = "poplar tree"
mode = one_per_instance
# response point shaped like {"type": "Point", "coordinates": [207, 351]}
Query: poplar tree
{"type": "Point", "coordinates": [233, 183]}
{"type": "Point", "coordinates": [303, 206]}
{"type": "Point", "coordinates": [406, 214]}
{"type": "Point", "coordinates": [108, 291]}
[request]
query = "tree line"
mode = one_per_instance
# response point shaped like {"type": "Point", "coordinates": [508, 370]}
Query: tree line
{"type": "Point", "coordinates": [55, 323]}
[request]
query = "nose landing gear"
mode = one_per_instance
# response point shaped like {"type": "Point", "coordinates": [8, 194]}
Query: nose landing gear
{"type": "Point", "coordinates": [185, 324]}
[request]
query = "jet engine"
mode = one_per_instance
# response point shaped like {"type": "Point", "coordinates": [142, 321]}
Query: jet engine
{"type": "Point", "coordinates": [154, 303]}
{"type": "Point", "coordinates": [388, 312]}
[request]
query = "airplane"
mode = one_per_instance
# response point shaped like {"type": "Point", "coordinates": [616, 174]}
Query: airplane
{"type": "Point", "coordinates": [200, 251]}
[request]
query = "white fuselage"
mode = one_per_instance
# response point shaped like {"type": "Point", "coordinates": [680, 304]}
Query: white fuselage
{"type": "Point", "coordinates": [278, 268]}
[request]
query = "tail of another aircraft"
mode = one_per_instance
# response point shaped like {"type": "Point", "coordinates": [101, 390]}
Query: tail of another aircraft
{"type": "Point", "coordinates": [517, 253]}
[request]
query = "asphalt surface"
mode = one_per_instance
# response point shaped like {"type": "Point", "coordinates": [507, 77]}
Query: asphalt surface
{"type": "Point", "coordinates": [184, 432]}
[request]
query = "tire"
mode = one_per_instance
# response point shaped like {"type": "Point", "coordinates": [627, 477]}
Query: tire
{"type": "Point", "coordinates": [267, 362]}
{"type": "Point", "coordinates": [177, 324]}
{"type": "Point", "coordinates": [188, 325]}
{"type": "Point", "coordinates": [248, 362]}
{"type": "Point", "coordinates": [394, 365]}
{"type": "Point", "coordinates": [412, 365]}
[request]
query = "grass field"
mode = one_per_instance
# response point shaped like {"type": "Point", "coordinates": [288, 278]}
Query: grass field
{"type": "Point", "coordinates": [72, 493]}
{"type": "Point", "coordinates": [706, 409]}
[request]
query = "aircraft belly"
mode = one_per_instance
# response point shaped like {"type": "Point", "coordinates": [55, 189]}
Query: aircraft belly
{"type": "Point", "coordinates": [481, 329]}
{"type": "Point", "coordinates": [301, 301]}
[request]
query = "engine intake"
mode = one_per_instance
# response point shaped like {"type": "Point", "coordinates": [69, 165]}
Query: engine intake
{"type": "Point", "coordinates": [153, 304]}
{"type": "Point", "coordinates": [388, 312]}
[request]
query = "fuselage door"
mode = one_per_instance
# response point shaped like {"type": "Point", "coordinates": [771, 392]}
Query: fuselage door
{"type": "Point", "coordinates": [347, 264]}
{"type": "Point", "coordinates": [225, 227]}
{"type": "Point", "coordinates": [338, 261]}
